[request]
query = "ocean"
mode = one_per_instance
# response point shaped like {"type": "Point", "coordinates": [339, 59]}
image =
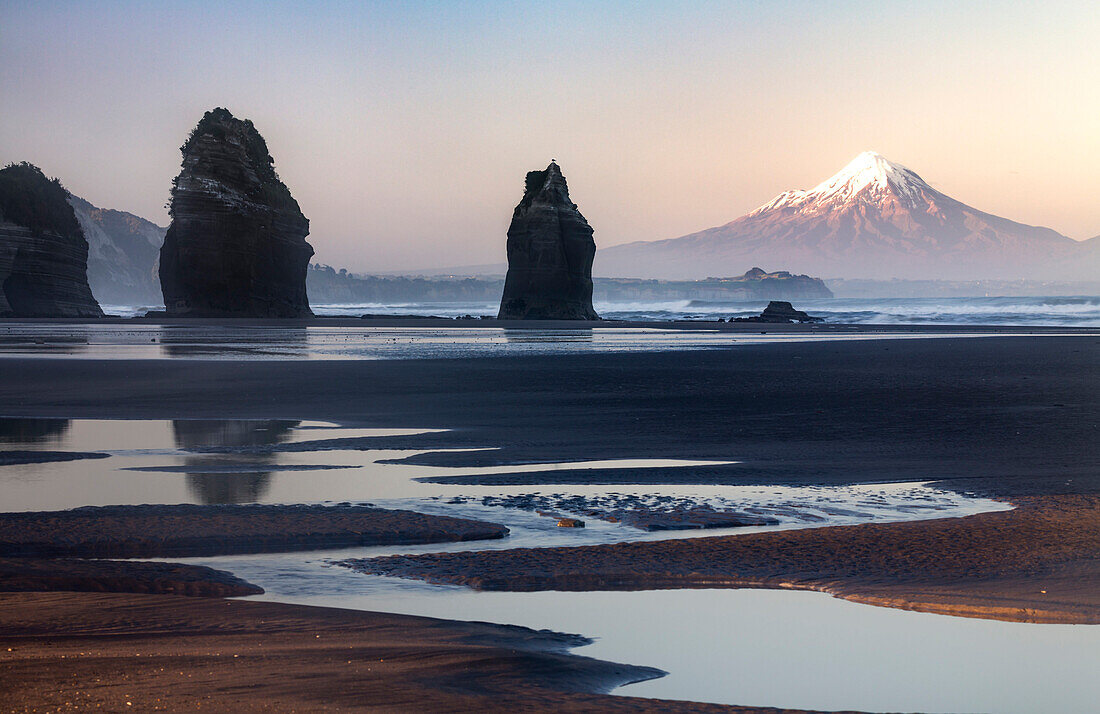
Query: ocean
{"type": "Point", "coordinates": [1061, 311]}
{"type": "Point", "coordinates": [1058, 311]}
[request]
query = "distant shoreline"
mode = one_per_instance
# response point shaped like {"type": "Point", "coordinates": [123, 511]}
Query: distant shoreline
{"type": "Point", "coordinates": [493, 323]}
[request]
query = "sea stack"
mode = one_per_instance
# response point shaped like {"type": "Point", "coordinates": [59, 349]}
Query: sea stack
{"type": "Point", "coordinates": [236, 246]}
{"type": "Point", "coordinates": [550, 252]}
{"type": "Point", "coordinates": [43, 252]}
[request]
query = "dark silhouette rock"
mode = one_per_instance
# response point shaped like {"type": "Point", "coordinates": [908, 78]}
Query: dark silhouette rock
{"type": "Point", "coordinates": [778, 311]}
{"type": "Point", "coordinates": [236, 246]}
{"type": "Point", "coordinates": [550, 252]}
{"type": "Point", "coordinates": [43, 253]}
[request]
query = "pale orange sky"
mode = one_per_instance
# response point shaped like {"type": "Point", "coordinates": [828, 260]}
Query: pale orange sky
{"type": "Point", "coordinates": [404, 131]}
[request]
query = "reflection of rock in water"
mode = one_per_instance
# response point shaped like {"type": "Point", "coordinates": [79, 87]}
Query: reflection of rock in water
{"type": "Point", "coordinates": [533, 337]}
{"type": "Point", "coordinates": [284, 342]}
{"type": "Point", "coordinates": [228, 488]}
{"type": "Point", "coordinates": [33, 431]}
{"type": "Point", "coordinates": [228, 435]}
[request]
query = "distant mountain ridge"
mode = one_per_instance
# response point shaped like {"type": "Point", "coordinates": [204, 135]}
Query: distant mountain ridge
{"type": "Point", "coordinates": [875, 219]}
{"type": "Point", "coordinates": [326, 285]}
{"type": "Point", "coordinates": [122, 254]}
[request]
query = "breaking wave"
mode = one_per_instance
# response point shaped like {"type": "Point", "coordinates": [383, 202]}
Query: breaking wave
{"type": "Point", "coordinates": [1077, 311]}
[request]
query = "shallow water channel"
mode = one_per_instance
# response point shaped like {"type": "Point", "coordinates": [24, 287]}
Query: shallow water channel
{"type": "Point", "coordinates": [754, 647]}
{"type": "Point", "coordinates": [144, 340]}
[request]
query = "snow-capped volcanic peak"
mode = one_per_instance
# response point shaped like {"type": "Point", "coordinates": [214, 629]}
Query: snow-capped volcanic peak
{"type": "Point", "coordinates": [873, 220]}
{"type": "Point", "coordinates": [868, 170]}
{"type": "Point", "coordinates": [869, 176]}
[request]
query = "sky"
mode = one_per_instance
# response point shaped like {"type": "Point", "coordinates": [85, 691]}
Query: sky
{"type": "Point", "coordinates": [404, 130]}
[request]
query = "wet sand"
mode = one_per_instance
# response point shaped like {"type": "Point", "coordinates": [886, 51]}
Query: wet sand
{"type": "Point", "coordinates": [118, 576]}
{"type": "Point", "coordinates": [1037, 563]}
{"type": "Point", "coordinates": [13, 458]}
{"type": "Point", "coordinates": [1021, 411]}
{"type": "Point", "coordinates": [1009, 417]}
{"type": "Point", "coordinates": [159, 531]}
{"type": "Point", "coordinates": [161, 653]}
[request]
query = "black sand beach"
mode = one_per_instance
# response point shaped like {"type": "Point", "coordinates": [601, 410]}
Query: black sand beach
{"type": "Point", "coordinates": [161, 653]}
{"type": "Point", "coordinates": [1012, 417]}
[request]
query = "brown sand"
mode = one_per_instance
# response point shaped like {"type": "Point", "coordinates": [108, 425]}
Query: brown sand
{"type": "Point", "coordinates": [1003, 416]}
{"type": "Point", "coordinates": [1037, 563]}
{"type": "Point", "coordinates": [156, 531]}
{"type": "Point", "coordinates": [119, 576]}
{"type": "Point", "coordinates": [65, 651]}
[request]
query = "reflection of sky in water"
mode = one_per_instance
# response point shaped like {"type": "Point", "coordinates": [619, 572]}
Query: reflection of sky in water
{"type": "Point", "coordinates": [238, 461]}
{"type": "Point", "coordinates": [736, 646]}
{"type": "Point", "coordinates": [750, 647]}
{"type": "Point", "coordinates": [765, 647]}
{"type": "Point", "coordinates": [273, 342]}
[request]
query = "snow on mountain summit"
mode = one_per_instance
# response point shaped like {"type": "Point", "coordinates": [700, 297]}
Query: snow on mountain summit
{"type": "Point", "coordinates": [873, 219]}
{"type": "Point", "coordinates": [869, 169]}
{"type": "Point", "coordinates": [870, 176]}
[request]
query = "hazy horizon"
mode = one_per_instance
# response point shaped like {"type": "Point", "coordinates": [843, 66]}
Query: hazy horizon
{"type": "Point", "coordinates": [405, 131]}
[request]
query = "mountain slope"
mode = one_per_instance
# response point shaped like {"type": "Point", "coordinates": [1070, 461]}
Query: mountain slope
{"type": "Point", "coordinates": [122, 254]}
{"type": "Point", "coordinates": [874, 219]}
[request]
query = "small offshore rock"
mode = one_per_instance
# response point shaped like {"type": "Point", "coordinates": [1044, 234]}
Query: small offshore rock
{"type": "Point", "coordinates": [779, 311]}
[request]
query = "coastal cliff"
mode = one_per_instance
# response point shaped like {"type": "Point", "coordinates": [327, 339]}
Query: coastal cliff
{"type": "Point", "coordinates": [122, 254]}
{"type": "Point", "coordinates": [43, 253]}
{"type": "Point", "coordinates": [236, 245]}
{"type": "Point", "coordinates": [550, 252]}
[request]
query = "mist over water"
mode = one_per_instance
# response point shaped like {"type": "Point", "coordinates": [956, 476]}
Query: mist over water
{"type": "Point", "coordinates": [1059, 311]}
{"type": "Point", "coordinates": [1082, 311]}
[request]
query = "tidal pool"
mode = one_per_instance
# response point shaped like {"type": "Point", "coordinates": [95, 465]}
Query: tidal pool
{"type": "Point", "coordinates": [775, 648]}
{"type": "Point", "coordinates": [754, 647]}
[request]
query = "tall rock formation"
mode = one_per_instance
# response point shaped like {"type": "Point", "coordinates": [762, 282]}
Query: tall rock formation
{"type": "Point", "coordinates": [236, 246]}
{"type": "Point", "coordinates": [550, 252]}
{"type": "Point", "coordinates": [43, 253]}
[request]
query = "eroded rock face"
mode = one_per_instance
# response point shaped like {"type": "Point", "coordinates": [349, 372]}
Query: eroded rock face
{"type": "Point", "coordinates": [43, 253]}
{"type": "Point", "coordinates": [550, 252]}
{"type": "Point", "coordinates": [236, 246]}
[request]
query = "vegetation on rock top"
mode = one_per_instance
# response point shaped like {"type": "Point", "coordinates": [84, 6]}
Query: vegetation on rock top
{"type": "Point", "coordinates": [28, 198]}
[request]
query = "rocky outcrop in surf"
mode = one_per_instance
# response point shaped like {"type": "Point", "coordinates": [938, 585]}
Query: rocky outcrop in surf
{"type": "Point", "coordinates": [236, 246]}
{"type": "Point", "coordinates": [780, 312]}
{"type": "Point", "coordinates": [43, 253]}
{"type": "Point", "coordinates": [550, 252]}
